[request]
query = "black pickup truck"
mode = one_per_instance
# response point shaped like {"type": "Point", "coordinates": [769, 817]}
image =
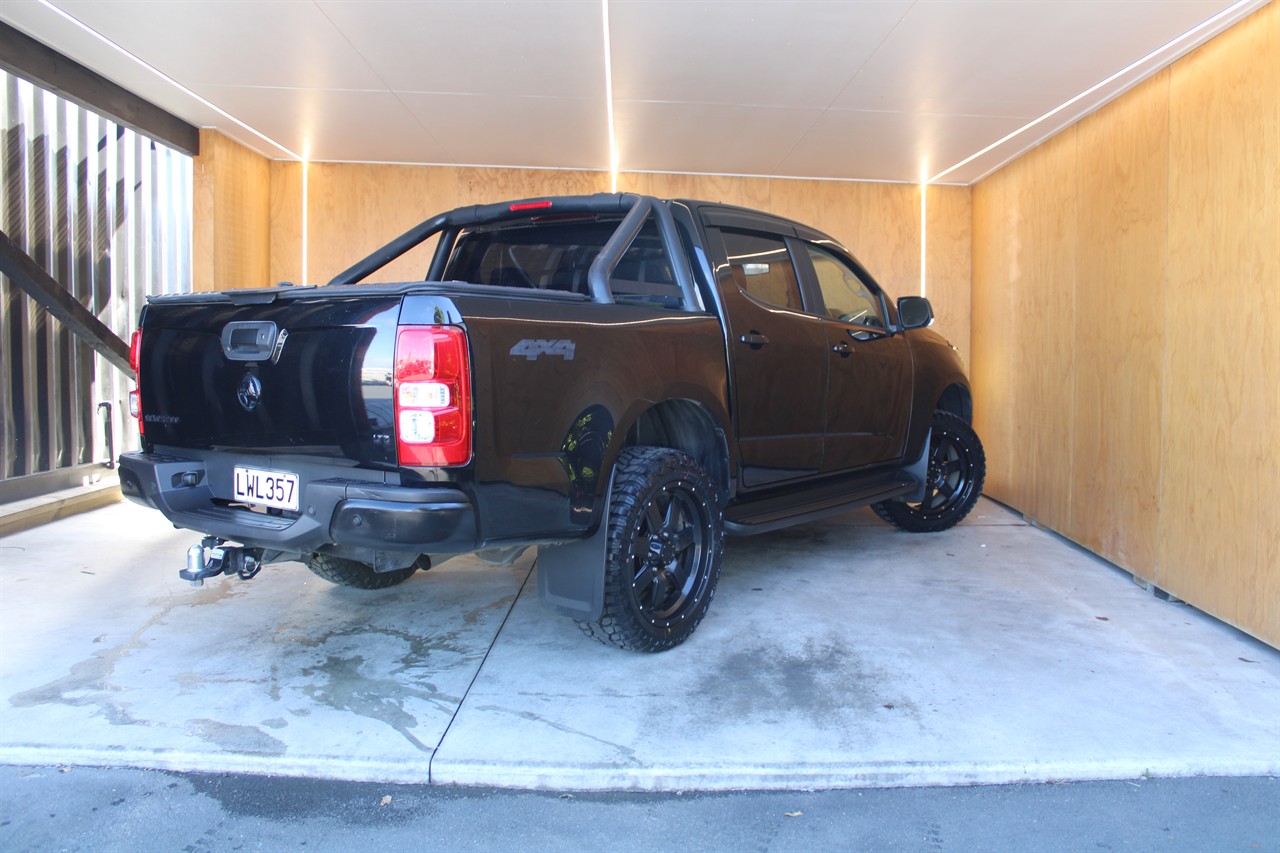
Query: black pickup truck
{"type": "Point", "coordinates": [615, 379]}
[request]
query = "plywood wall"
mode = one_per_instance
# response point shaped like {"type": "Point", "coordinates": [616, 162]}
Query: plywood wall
{"type": "Point", "coordinates": [1126, 328]}
{"type": "Point", "coordinates": [231, 236]}
{"type": "Point", "coordinates": [354, 208]}
{"type": "Point", "coordinates": [1119, 324]}
{"type": "Point", "coordinates": [1024, 338]}
{"type": "Point", "coordinates": [948, 263]}
{"type": "Point", "coordinates": [1220, 526]}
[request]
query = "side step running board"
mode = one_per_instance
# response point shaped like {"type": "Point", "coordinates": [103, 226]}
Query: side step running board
{"type": "Point", "coordinates": [810, 504]}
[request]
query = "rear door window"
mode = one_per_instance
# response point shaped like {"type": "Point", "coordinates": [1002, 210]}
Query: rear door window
{"type": "Point", "coordinates": [762, 267]}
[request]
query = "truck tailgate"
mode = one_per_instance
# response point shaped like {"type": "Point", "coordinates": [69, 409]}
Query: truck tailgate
{"type": "Point", "coordinates": [304, 376]}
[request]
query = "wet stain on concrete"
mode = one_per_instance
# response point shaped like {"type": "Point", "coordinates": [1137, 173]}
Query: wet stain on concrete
{"type": "Point", "coordinates": [90, 682]}
{"type": "Point", "coordinates": [249, 740]}
{"type": "Point", "coordinates": [822, 680]}
{"type": "Point", "coordinates": [86, 684]}
{"type": "Point", "coordinates": [349, 688]}
{"type": "Point", "coordinates": [380, 673]}
{"type": "Point", "coordinates": [420, 647]}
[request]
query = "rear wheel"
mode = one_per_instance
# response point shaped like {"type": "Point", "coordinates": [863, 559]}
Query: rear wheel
{"type": "Point", "coordinates": [953, 482]}
{"type": "Point", "coordinates": [665, 544]}
{"type": "Point", "coordinates": [352, 573]}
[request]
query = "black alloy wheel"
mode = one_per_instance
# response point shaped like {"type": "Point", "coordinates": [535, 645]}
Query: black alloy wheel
{"type": "Point", "coordinates": [665, 546]}
{"type": "Point", "coordinates": [953, 480]}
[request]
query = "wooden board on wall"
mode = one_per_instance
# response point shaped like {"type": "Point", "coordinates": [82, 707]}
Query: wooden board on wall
{"type": "Point", "coordinates": [1220, 526]}
{"type": "Point", "coordinates": [725, 189]}
{"type": "Point", "coordinates": [1024, 262]}
{"type": "Point", "coordinates": [948, 263]}
{"type": "Point", "coordinates": [994, 343]}
{"type": "Point", "coordinates": [232, 215]}
{"type": "Point", "coordinates": [353, 208]}
{"type": "Point", "coordinates": [1044, 299]}
{"type": "Point", "coordinates": [1119, 326]}
{"type": "Point", "coordinates": [285, 261]}
{"type": "Point", "coordinates": [486, 186]}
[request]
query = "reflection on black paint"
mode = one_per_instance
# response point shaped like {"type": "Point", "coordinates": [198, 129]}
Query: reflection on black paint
{"type": "Point", "coordinates": [583, 457]}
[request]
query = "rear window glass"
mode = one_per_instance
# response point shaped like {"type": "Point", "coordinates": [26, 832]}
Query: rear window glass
{"type": "Point", "coordinates": [557, 255]}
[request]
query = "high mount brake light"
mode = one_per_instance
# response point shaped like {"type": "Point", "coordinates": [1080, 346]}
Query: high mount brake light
{"type": "Point", "coordinates": [432, 396]}
{"type": "Point", "coordinates": [530, 205]}
{"type": "Point", "coordinates": [135, 396]}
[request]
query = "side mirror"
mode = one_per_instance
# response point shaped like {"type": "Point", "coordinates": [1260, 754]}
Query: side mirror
{"type": "Point", "coordinates": [914, 312]}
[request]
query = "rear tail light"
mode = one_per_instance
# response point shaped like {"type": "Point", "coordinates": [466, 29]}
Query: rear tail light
{"type": "Point", "coordinates": [135, 396]}
{"type": "Point", "coordinates": [432, 396]}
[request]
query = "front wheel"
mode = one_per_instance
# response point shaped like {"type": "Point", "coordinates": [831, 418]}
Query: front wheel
{"type": "Point", "coordinates": [665, 544]}
{"type": "Point", "coordinates": [953, 482]}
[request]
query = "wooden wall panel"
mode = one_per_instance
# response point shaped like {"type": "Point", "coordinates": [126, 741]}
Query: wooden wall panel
{"type": "Point", "coordinates": [1218, 531]}
{"type": "Point", "coordinates": [995, 334]}
{"type": "Point", "coordinates": [1126, 328]}
{"type": "Point", "coordinates": [285, 260]}
{"type": "Point", "coordinates": [727, 189]}
{"type": "Point", "coordinates": [353, 208]}
{"type": "Point", "coordinates": [1119, 326]}
{"type": "Point", "coordinates": [948, 263]}
{"type": "Point", "coordinates": [231, 213]}
{"type": "Point", "coordinates": [483, 186]}
{"type": "Point", "coordinates": [1043, 297]}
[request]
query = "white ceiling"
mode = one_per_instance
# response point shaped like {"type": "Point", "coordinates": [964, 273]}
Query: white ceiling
{"type": "Point", "coordinates": [852, 89]}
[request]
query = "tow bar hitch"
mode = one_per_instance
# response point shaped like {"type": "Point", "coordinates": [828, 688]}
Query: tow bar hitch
{"type": "Point", "coordinates": [213, 557]}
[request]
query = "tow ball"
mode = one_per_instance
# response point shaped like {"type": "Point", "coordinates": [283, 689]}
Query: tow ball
{"type": "Point", "coordinates": [214, 557]}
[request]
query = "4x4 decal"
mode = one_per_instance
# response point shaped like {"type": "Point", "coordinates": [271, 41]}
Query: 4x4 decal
{"type": "Point", "coordinates": [532, 349]}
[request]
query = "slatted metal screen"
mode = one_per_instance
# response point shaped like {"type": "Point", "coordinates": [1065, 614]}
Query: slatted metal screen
{"type": "Point", "coordinates": [107, 212]}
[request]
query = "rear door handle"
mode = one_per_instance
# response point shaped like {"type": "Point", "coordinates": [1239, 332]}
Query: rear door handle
{"type": "Point", "coordinates": [842, 350]}
{"type": "Point", "coordinates": [755, 340]}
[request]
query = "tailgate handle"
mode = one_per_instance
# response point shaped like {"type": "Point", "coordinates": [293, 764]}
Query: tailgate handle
{"type": "Point", "coordinates": [248, 340]}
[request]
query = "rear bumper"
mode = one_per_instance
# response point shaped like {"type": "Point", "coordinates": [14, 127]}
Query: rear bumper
{"type": "Point", "coordinates": [335, 509]}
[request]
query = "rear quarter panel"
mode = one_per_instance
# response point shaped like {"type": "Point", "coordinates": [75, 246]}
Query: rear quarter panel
{"type": "Point", "coordinates": [556, 386]}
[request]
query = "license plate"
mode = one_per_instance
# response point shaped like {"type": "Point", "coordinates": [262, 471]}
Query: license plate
{"type": "Point", "coordinates": [277, 489]}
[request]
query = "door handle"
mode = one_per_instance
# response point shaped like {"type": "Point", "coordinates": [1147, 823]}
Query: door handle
{"type": "Point", "coordinates": [843, 350]}
{"type": "Point", "coordinates": [755, 340]}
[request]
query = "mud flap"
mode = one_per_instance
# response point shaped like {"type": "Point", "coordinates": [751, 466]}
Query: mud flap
{"type": "Point", "coordinates": [571, 575]}
{"type": "Point", "coordinates": [920, 471]}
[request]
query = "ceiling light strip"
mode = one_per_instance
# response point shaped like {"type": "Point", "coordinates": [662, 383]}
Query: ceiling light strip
{"type": "Point", "coordinates": [608, 97]}
{"type": "Point", "coordinates": [165, 77]}
{"type": "Point", "coordinates": [306, 168]}
{"type": "Point", "coordinates": [1172, 45]}
{"type": "Point", "coordinates": [924, 224]}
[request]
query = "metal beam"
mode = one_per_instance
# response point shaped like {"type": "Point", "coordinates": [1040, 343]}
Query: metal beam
{"type": "Point", "coordinates": [31, 278]}
{"type": "Point", "coordinates": [29, 59]}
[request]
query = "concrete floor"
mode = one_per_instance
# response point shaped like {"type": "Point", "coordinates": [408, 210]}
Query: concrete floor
{"type": "Point", "coordinates": [838, 654]}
